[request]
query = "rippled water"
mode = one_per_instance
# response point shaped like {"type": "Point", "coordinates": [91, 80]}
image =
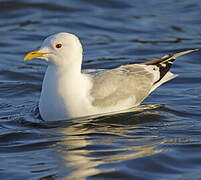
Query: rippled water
{"type": "Point", "coordinates": [159, 140]}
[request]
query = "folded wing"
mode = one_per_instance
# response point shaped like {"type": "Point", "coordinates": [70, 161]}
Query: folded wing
{"type": "Point", "coordinates": [134, 80]}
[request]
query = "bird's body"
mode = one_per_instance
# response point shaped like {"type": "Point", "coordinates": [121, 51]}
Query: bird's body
{"type": "Point", "coordinates": [67, 92]}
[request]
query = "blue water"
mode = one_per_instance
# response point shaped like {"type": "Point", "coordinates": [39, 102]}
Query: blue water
{"type": "Point", "coordinates": [159, 140]}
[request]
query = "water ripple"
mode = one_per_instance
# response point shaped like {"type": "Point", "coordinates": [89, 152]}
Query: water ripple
{"type": "Point", "coordinates": [157, 140]}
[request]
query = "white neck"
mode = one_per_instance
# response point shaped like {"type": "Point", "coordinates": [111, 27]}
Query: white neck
{"type": "Point", "coordinates": [67, 63]}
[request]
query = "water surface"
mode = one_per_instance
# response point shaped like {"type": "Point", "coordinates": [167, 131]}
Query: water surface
{"type": "Point", "coordinates": [159, 140]}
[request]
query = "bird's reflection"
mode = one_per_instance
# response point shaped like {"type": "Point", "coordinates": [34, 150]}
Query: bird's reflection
{"type": "Point", "coordinates": [90, 144]}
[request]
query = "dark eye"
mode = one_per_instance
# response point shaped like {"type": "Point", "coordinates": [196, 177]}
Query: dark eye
{"type": "Point", "coordinates": [58, 45]}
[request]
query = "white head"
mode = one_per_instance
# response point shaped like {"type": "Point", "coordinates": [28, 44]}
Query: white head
{"type": "Point", "coordinates": [63, 50]}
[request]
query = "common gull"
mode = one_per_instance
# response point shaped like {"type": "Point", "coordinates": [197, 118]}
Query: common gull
{"type": "Point", "coordinates": [69, 92]}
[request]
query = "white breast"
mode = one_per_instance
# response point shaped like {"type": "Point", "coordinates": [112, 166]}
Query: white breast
{"type": "Point", "coordinates": [64, 95]}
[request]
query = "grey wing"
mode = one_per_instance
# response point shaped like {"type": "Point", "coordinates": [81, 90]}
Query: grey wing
{"type": "Point", "coordinates": [111, 86]}
{"type": "Point", "coordinates": [138, 80]}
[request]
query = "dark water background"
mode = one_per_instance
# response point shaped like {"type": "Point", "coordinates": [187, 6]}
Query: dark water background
{"type": "Point", "coordinates": [160, 140]}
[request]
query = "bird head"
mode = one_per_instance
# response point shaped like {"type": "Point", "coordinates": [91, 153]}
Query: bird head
{"type": "Point", "coordinates": [62, 49]}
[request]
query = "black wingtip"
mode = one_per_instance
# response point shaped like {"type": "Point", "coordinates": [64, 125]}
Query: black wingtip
{"type": "Point", "coordinates": [164, 67]}
{"type": "Point", "coordinates": [167, 61]}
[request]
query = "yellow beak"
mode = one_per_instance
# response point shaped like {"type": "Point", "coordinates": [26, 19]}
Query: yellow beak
{"type": "Point", "coordinates": [33, 54]}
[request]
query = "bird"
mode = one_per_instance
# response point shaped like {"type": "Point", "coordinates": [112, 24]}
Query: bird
{"type": "Point", "coordinates": [70, 92]}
